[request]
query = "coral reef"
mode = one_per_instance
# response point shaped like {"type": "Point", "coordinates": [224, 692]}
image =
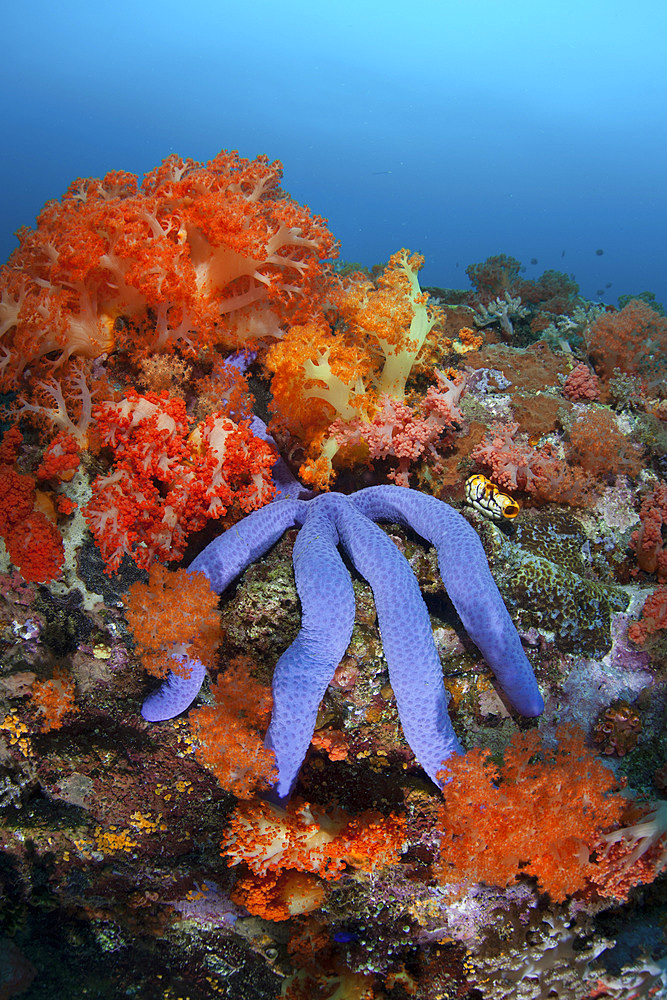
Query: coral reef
{"type": "Point", "coordinates": [148, 329]}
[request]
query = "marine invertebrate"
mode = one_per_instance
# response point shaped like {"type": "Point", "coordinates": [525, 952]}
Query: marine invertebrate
{"type": "Point", "coordinates": [648, 541]}
{"type": "Point", "coordinates": [176, 629]}
{"type": "Point", "coordinates": [323, 583]}
{"type": "Point", "coordinates": [582, 385]}
{"type": "Point", "coordinates": [268, 838]}
{"type": "Point", "coordinates": [228, 732]}
{"type": "Point", "coordinates": [545, 578]}
{"type": "Point", "coordinates": [33, 542]}
{"type": "Point", "coordinates": [541, 813]}
{"type": "Point", "coordinates": [319, 377]}
{"type": "Point", "coordinates": [634, 340]}
{"type": "Point", "coordinates": [617, 728]}
{"type": "Point", "coordinates": [195, 253]}
{"type": "Point", "coordinates": [486, 498]}
{"type": "Point", "coordinates": [167, 482]}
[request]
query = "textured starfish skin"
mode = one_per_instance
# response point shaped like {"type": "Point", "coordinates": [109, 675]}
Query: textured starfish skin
{"type": "Point", "coordinates": [327, 602]}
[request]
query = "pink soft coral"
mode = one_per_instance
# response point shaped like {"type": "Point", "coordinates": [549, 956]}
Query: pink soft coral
{"type": "Point", "coordinates": [397, 431]}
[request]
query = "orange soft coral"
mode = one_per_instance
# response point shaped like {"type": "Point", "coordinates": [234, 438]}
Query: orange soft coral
{"type": "Point", "coordinates": [634, 340]}
{"type": "Point", "coordinates": [396, 316]}
{"type": "Point", "coordinates": [53, 699]}
{"type": "Point", "coordinates": [540, 813]}
{"type": "Point", "coordinates": [197, 253]}
{"type": "Point", "coordinates": [321, 379]}
{"type": "Point", "coordinates": [268, 838]}
{"type": "Point", "coordinates": [598, 446]}
{"type": "Point", "coordinates": [230, 732]}
{"type": "Point", "coordinates": [174, 613]}
{"type": "Point", "coordinates": [279, 897]}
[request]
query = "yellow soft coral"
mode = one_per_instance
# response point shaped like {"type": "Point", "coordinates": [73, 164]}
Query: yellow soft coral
{"type": "Point", "coordinates": [320, 375]}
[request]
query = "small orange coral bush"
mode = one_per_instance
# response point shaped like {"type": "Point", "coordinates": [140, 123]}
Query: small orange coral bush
{"type": "Point", "coordinates": [230, 731]}
{"type": "Point", "coordinates": [634, 340]}
{"type": "Point", "coordinates": [172, 613]}
{"type": "Point", "coordinates": [540, 813]}
{"type": "Point", "coordinates": [303, 837]}
{"type": "Point", "coordinates": [599, 447]}
{"type": "Point", "coordinates": [54, 699]}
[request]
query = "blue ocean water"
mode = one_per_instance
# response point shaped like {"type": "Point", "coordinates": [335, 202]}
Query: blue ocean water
{"type": "Point", "coordinates": [459, 129]}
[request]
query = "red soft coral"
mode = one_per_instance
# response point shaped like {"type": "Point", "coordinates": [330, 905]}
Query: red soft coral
{"type": "Point", "coordinates": [166, 482]}
{"type": "Point", "coordinates": [653, 618]}
{"type": "Point", "coordinates": [649, 541]}
{"type": "Point", "coordinates": [582, 385]}
{"type": "Point", "coordinates": [634, 340]}
{"type": "Point", "coordinates": [34, 544]}
{"type": "Point", "coordinates": [598, 446]}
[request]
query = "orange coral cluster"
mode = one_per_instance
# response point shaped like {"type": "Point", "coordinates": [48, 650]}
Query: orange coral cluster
{"type": "Point", "coordinates": [321, 384]}
{"type": "Point", "coordinates": [174, 613]}
{"type": "Point", "coordinates": [194, 254]}
{"type": "Point", "coordinates": [230, 732]}
{"type": "Point", "coordinates": [53, 699]}
{"type": "Point", "coordinates": [540, 813]}
{"type": "Point", "coordinates": [268, 838]}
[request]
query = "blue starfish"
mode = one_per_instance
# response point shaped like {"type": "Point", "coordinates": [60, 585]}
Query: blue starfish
{"type": "Point", "coordinates": [327, 606]}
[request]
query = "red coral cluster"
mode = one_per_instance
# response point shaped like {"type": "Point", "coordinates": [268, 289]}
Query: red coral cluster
{"type": "Point", "coordinates": [633, 340]}
{"type": "Point", "coordinates": [230, 732]}
{"type": "Point", "coordinates": [34, 543]}
{"type": "Point", "coordinates": [167, 482]}
{"type": "Point", "coordinates": [582, 385]}
{"type": "Point", "coordinates": [650, 540]}
{"type": "Point", "coordinates": [540, 813]}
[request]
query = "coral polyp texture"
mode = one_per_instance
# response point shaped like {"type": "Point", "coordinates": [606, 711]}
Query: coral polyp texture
{"type": "Point", "coordinates": [327, 601]}
{"type": "Point", "coordinates": [326, 504]}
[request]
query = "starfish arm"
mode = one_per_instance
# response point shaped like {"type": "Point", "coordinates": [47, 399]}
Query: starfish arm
{"type": "Point", "coordinates": [230, 553]}
{"type": "Point", "coordinates": [305, 669]}
{"type": "Point", "coordinates": [175, 694]}
{"type": "Point", "coordinates": [222, 560]}
{"type": "Point", "coordinates": [467, 578]}
{"type": "Point", "coordinates": [415, 670]}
